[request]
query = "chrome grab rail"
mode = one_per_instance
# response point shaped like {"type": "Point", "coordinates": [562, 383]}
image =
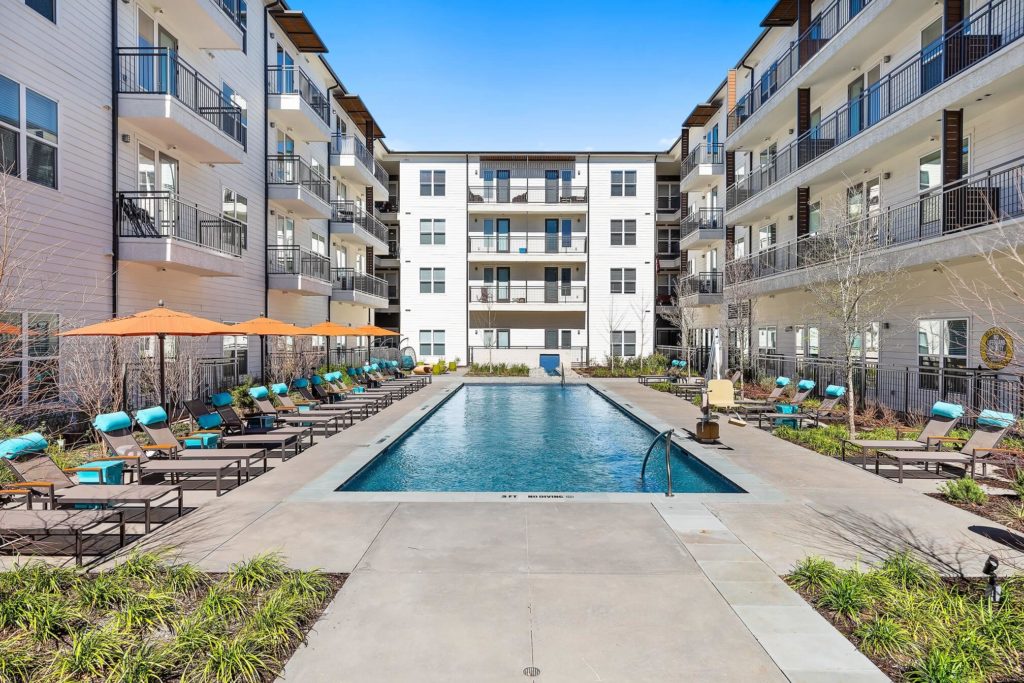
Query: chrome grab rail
{"type": "Point", "coordinates": [667, 435]}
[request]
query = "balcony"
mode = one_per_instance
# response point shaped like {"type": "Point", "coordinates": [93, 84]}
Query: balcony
{"type": "Point", "coordinates": [351, 160]}
{"type": "Point", "coordinates": [529, 296]}
{"type": "Point", "coordinates": [388, 211]}
{"type": "Point", "coordinates": [295, 102]}
{"type": "Point", "coordinates": [702, 289]}
{"type": "Point", "coordinates": [159, 229]}
{"type": "Point", "coordinates": [358, 288]}
{"type": "Point", "coordinates": [703, 164]}
{"type": "Point", "coordinates": [298, 270]}
{"type": "Point", "coordinates": [929, 227]}
{"type": "Point", "coordinates": [829, 22]}
{"type": "Point", "coordinates": [702, 228]}
{"type": "Point", "coordinates": [983, 33]}
{"type": "Point", "coordinates": [524, 197]}
{"type": "Point", "coordinates": [297, 187]}
{"type": "Point", "coordinates": [667, 210]}
{"type": "Point", "coordinates": [669, 258]}
{"type": "Point", "coordinates": [391, 260]}
{"type": "Point", "coordinates": [352, 223]}
{"type": "Point", "coordinates": [163, 95]}
{"type": "Point", "coordinates": [527, 248]}
{"type": "Point", "coordinates": [209, 24]}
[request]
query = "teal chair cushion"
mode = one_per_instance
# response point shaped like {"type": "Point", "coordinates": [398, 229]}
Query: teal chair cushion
{"type": "Point", "coordinates": [835, 391]}
{"type": "Point", "coordinates": [151, 416]}
{"type": "Point", "coordinates": [110, 422]}
{"type": "Point", "coordinates": [805, 385]}
{"type": "Point", "coordinates": [222, 399]}
{"type": "Point", "coordinates": [951, 410]}
{"type": "Point", "coordinates": [33, 442]}
{"type": "Point", "coordinates": [991, 418]}
{"type": "Point", "coordinates": [301, 383]}
{"type": "Point", "coordinates": [209, 421]}
{"type": "Point", "coordinates": [259, 393]}
{"type": "Point", "coordinates": [317, 379]}
{"type": "Point", "coordinates": [280, 389]}
{"type": "Point", "coordinates": [782, 382]}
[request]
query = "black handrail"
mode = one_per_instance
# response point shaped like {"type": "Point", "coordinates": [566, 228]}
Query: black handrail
{"type": "Point", "coordinates": [163, 214]}
{"type": "Point", "coordinates": [703, 153]}
{"type": "Point", "coordinates": [703, 219]}
{"type": "Point", "coordinates": [349, 280]}
{"type": "Point", "coordinates": [160, 71]}
{"type": "Point", "coordinates": [347, 211]}
{"type": "Point", "coordinates": [702, 283]}
{"type": "Point", "coordinates": [555, 192]}
{"type": "Point", "coordinates": [291, 169]}
{"type": "Point", "coordinates": [236, 10]}
{"type": "Point", "coordinates": [292, 80]}
{"type": "Point", "coordinates": [526, 244]}
{"type": "Point", "coordinates": [292, 259]}
{"type": "Point", "coordinates": [547, 293]}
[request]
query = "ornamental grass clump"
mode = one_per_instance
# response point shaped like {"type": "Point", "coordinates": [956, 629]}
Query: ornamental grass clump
{"type": "Point", "coordinates": [964, 490]}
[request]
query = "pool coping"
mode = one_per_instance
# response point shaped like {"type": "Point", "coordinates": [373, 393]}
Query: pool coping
{"type": "Point", "coordinates": [325, 487]}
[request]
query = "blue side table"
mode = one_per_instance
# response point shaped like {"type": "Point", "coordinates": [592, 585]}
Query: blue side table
{"type": "Point", "coordinates": [111, 472]}
{"type": "Point", "coordinates": [786, 409]}
{"type": "Point", "coordinates": [202, 441]}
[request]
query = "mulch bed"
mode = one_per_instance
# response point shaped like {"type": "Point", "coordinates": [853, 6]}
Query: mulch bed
{"type": "Point", "coordinates": [997, 508]}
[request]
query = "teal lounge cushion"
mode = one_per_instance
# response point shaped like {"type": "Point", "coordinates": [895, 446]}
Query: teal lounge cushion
{"type": "Point", "coordinates": [259, 393]}
{"type": "Point", "coordinates": [222, 399]}
{"type": "Point", "coordinates": [781, 382]}
{"type": "Point", "coordinates": [951, 410]}
{"type": "Point", "coordinates": [110, 422]}
{"type": "Point", "coordinates": [336, 376]}
{"type": "Point", "coordinates": [835, 391]}
{"type": "Point", "coordinates": [33, 442]}
{"type": "Point", "coordinates": [805, 385]}
{"type": "Point", "coordinates": [991, 418]}
{"type": "Point", "coordinates": [317, 379]}
{"type": "Point", "coordinates": [151, 416]}
{"type": "Point", "coordinates": [209, 421]}
{"type": "Point", "coordinates": [280, 389]}
{"type": "Point", "coordinates": [352, 372]}
{"type": "Point", "coordinates": [301, 383]}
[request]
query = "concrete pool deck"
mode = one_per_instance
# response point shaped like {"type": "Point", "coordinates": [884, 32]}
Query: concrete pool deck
{"type": "Point", "coordinates": [634, 587]}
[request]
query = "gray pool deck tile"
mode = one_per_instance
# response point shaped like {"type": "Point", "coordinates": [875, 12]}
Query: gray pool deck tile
{"type": "Point", "coordinates": [759, 594]}
{"type": "Point", "coordinates": [731, 570]}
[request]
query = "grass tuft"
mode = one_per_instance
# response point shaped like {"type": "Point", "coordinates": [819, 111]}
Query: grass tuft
{"type": "Point", "coordinates": [258, 573]}
{"type": "Point", "coordinates": [813, 574]}
{"type": "Point", "coordinates": [964, 490]}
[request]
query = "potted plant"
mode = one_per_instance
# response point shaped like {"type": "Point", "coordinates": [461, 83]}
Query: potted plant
{"type": "Point", "coordinates": [453, 365]}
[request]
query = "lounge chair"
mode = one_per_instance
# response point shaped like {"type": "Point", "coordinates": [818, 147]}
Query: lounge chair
{"type": "Point", "coordinates": [42, 475]}
{"type": "Point", "coordinates": [388, 382]}
{"type": "Point", "coordinates": [154, 423]}
{"type": "Point", "coordinates": [833, 395]}
{"type": "Point", "coordinates": [944, 417]}
{"type": "Point", "coordinates": [777, 393]}
{"type": "Point", "coordinates": [984, 442]}
{"type": "Point", "coordinates": [720, 395]}
{"type": "Point", "coordinates": [334, 389]}
{"type": "Point", "coordinates": [212, 421]}
{"type": "Point", "coordinates": [116, 431]}
{"type": "Point", "coordinates": [389, 368]}
{"type": "Point", "coordinates": [314, 407]}
{"type": "Point", "coordinates": [18, 528]}
{"type": "Point", "coordinates": [803, 391]}
{"type": "Point", "coordinates": [261, 398]}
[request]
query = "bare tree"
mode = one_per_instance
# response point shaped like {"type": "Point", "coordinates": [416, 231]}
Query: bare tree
{"type": "Point", "coordinates": [739, 304]}
{"type": "Point", "coordinates": [614, 321]}
{"type": "Point", "coordinates": [92, 377]}
{"type": "Point", "coordinates": [484, 319]}
{"type": "Point", "coordinates": [642, 312]}
{"type": "Point", "coordinates": [678, 314]}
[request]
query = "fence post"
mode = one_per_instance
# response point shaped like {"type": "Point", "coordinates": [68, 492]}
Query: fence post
{"type": "Point", "coordinates": [906, 392]}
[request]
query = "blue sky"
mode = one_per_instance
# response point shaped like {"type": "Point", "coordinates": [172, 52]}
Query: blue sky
{"type": "Point", "coordinates": [534, 75]}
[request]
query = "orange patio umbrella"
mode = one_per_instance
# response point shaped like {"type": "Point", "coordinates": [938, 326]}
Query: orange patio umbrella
{"type": "Point", "coordinates": [157, 322]}
{"type": "Point", "coordinates": [264, 327]}
{"type": "Point", "coordinates": [328, 329]}
{"type": "Point", "coordinates": [371, 331]}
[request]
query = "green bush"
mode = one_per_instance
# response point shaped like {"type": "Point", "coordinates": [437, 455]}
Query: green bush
{"type": "Point", "coordinates": [964, 490]}
{"type": "Point", "coordinates": [615, 366]}
{"type": "Point", "coordinates": [499, 369]}
{"type": "Point", "coordinates": [661, 386]}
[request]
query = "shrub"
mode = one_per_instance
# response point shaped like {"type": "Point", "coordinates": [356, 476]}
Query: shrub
{"type": "Point", "coordinates": [813, 573]}
{"type": "Point", "coordinates": [258, 573]}
{"type": "Point", "coordinates": [964, 490]}
{"type": "Point", "coordinates": [884, 636]}
{"type": "Point", "coordinates": [17, 659]}
{"type": "Point", "coordinates": [500, 369]}
{"type": "Point", "coordinates": [848, 594]}
{"type": "Point", "coordinates": [907, 572]}
{"type": "Point", "coordinates": [661, 386]}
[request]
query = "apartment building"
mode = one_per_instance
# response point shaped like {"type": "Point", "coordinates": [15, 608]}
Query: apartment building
{"type": "Point", "coordinates": [508, 257]}
{"type": "Point", "coordinates": [199, 152]}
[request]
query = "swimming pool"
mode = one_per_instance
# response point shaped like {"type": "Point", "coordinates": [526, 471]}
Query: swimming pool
{"type": "Point", "coordinates": [523, 438]}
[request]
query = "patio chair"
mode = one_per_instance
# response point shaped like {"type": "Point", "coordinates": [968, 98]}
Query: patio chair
{"type": "Point", "coordinates": [261, 398]}
{"type": "Point", "coordinates": [334, 390]}
{"type": "Point", "coordinates": [154, 423]}
{"type": "Point", "coordinates": [823, 413]}
{"type": "Point", "coordinates": [984, 442]}
{"type": "Point", "coordinates": [41, 475]}
{"type": "Point", "coordinates": [803, 391]}
{"type": "Point", "coordinates": [944, 417]}
{"type": "Point", "coordinates": [776, 395]}
{"type": "Point", "coordinates": [720, 395]}
{"type": "Point", "coordinates": [405, 388]}
{"type": "Point", "coordinates": [315, 409]}
{"type": "Point", "coordinates": [116, 431]}
{"type": "Point", "coordinates": [21, 529]}
{"type": "Point", "coordinates": [211, 421]}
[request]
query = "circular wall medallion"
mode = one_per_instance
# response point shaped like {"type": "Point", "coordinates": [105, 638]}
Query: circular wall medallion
{"type": "Point", "coordinates": [996, 348]}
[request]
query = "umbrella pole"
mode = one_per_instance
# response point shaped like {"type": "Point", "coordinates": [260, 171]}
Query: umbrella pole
{"type": "Point", "coordinates": [263, 359]}
{"type": "Point", "coordinates": [163, 376]}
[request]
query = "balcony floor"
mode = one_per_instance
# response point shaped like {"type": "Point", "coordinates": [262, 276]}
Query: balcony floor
{"type": "Point", "coordinates": [177, 255]}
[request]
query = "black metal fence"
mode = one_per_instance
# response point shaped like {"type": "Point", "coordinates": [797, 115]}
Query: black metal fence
{"type": "Point", "coordinates": [703, 219]}
{"type": "Point", "coordinates": [525, 244]}
{"type": "Point", "coordinates": [347, 211]}
{"type": "Point", "coordinates": [292, 259]}
{"type": "Point", "coordinates": [163, 214]}
{"type": "Point", "coordinates": [713, 153]}
{"type": "Point", "coordinates": [186, 380]}
{"type": "Point", "coordinates": [349, 280]}
{"type": "Point", "coordinates": [702, 283]}
{"type": "Point", "coordinates": [291, 80]}
{"type": "Point", "coordinates": [350, 144]}
{"type": "Point", "coordinates": [555, 192]}
{"type": "Point", "coordinates": [548, 293]}
{"type": "Point", "coordinates": [291, 169]}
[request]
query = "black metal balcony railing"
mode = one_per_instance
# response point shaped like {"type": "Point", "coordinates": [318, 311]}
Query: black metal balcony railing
{"type": "Point", "coordinates": [523, 193]}
{"type": "Point", "coordinates": [668, 248]}
{"type": "Point", "coordinates": [703, 219]}
{"type": "Point", "coordinates": [393, 249]}
{"type": "Point", "coordinates": [984, 32]}
{"type": "Point", "coordinates": [380, 174]}
{"type": "Point", "coordinates": [163, 214]}
{"type": "Point", "coordinates": [236, 11]}
{"type": "Point", "coordinates": [348, 280]}
{"type": "Point", "coordinates": [291, 80]}
{"type": "Point", "coordinates": [702, 283]}
{"type": "Point", "coordinates": [668, 204]}
{"type": "Point", "coordinates": [350, 144]}
{"type": "Point", "coordinates": [528, 244]}
{"type": "Point", "coordinates": [545, 293]}
{"type": "Point", "coordinates": [160, 71]}
{"type": "Point", "coordinates": [829, 22]}
{"type": "Point", "coordinates": [390, 206]}
{"type": "Point", "coordinates": [977, 200]}
{"type": "Point", "coordinates": [713, 153]}
{"type": "Point", "coordinates": [350, 212]}
{"type": "Point", "coordinates": [291, 169]}
{"type": "Point", "coordinates": [291, 259]}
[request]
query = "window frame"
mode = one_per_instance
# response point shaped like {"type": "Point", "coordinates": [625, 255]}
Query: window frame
{"type": "Point", "coordinates": [53, 9]}
{"type": "Point", "coordinates": [621, 341]}
{"type": "Point", "coordinates": [433, 284]}
{"type": "Point", "coordinates": [433, 236]}
{"type": "Point", "coordinates": [618, 229]}
{"type": "Point", "coordinates": [25, 140]}
{"type": "Point", "coordinates": [433, 182]}
{"type": "Point", "coordinates": [618, 279]}
{"type": "Point", "coordinates": [233, 213]}
{"type": "Point", "coordinates": [623, 186]}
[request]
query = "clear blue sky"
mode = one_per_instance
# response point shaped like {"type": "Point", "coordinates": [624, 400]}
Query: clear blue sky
{"type": "Point", "coordinates": [534, 75]}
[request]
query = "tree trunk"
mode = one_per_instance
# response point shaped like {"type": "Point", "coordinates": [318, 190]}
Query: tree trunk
{"type": "Point", "coordinates": [851, 398]}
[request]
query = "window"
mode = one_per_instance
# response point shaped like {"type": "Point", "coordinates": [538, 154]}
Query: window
{"type": "Point", "coordinates": [766, 339]}
{"type": "Point", "coordinates": [431, 280]}
{"type": "Point", "coordinates": [942, 345]}
{"type": "Point", "coordinates": [285, 231]}
{"type": "Point", "coordinates": [623, 280]}
{"type": "Point", "coordinates": [48, 8]}
{"type": "Point", "coordinates": [237, 207]}
{"type": "Point", "coordinates": [29, 357]}
{"type": "Point", "coordinates": [231, 123]}
{"type": "Point", "coordinates": [497, 339]}
{"type": "Point", "coordinates": [624, 233]}
{"type": "Point", "coordinates": [38, 132]}
{"type": "Point", "coordinates": [808, 342]}
{"type": "Point", "coordinates": [668, 197]}
{"type": "Point", "coordinates": [318, 244]}
{"type": "Point", "coordinates": [432, 183]}
{"type": "Point", "coordinates": [624, 343]}
{"type": "Point", "coordinates": [814, 218]}
{"type": "Point", "coordinates": [432, 231]}
{"type": "Point", "coordinates": [623, 183]}
{"type": "Point", "coordinates": [431, 342]}
{"type": "Point", "coordinates": [236, 348]}
{"type": "Point", "coordinates": [766, 236]}
{"type": "Point", "coordinates": [739, 247]}
{"type": "Point", "coordinates": [866, 346]}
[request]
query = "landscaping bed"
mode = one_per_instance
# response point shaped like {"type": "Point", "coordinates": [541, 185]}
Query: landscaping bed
{"type": "Point", "coordinates": [918, 626]}
{"type": "Point", "coordinates": [968, 494]}
{"type": "Point", "coordinates": [498, 370]}
{"type": "Point", "coordinates": [148, 620]}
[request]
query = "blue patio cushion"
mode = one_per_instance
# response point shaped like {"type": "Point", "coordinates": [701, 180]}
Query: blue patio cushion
{"type": "Point", "coordinates": [675, 363]}
{"type": "Point", "coordinates": [835, 391]}
{"type": "Point", "coordinates": [280, 389]}
{"type": "Point", "coordinates": [805, 385]}
{"type": "Point", "coordinates": [300, 383]}
{"type": "Point", "coordinates": [951, 410]}
{"type": "Point", "coordinates": [352, 372]}
{"type": "Point", "coordinates": [110, 422]}
{"type": "Point", "coordinates": [317, 379]}
{"type": "Point", "coordinates": [259, 393]}
{"type": "Point", "coordinates": [151, 416]}
{"type": "Point", "coordinates": [334, 376]}
{"type": "Point", "coordinates": [366, 368]}
{"type": "Point", "coordinates": [328, 376]}
{"type": "Point", "coordinates": [209, 421]}
{"type": "Point", "coordinates": [33, 442]}
{"type": "Point", "coordinates": [991, 418]}
{"type": "Point", "coordinates": [222, 399]}
{"type": "Point", "coordinates": [781, 382]}
{"type": "Point", "coordinates": [375, 367]}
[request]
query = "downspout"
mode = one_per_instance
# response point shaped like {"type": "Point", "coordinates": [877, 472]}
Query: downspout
{"type": "Point", "coordinates": [266, 187]}
{"type": "Point", "coordinates": [115, 249]}
{"type": "Point", "coordinates": [590, 245]}
{"type": "Point", "coordinates": [330, 202]}
{"type": "Point", "coordinates": [465, 199]}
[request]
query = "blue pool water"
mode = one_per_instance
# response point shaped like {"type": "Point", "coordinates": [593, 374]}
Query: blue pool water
{"type": "Point", "coordinates": [490, 437]}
